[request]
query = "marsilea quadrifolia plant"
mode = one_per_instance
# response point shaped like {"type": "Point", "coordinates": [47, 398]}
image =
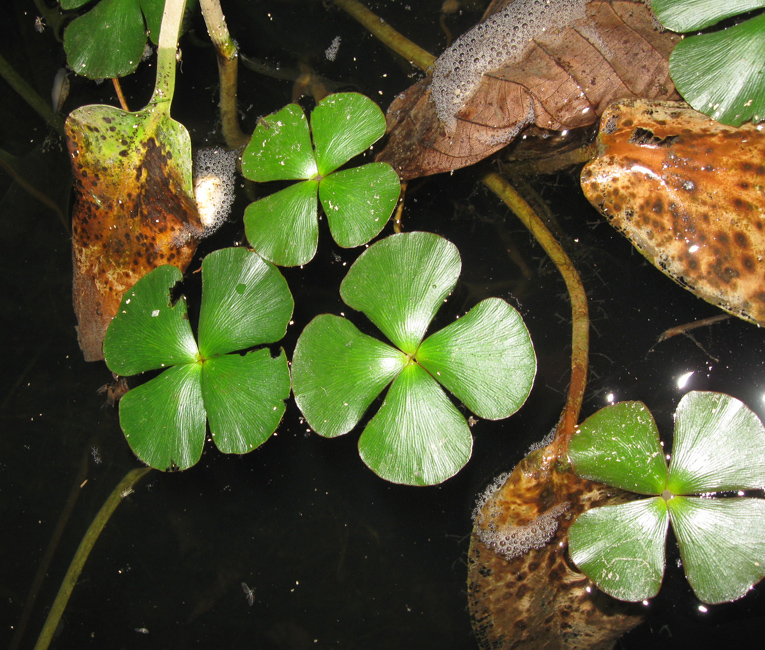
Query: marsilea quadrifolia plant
{"type": "Point", "coordinates": [718, 456]}
{"type": "Point", "coordinates": [485, 359]}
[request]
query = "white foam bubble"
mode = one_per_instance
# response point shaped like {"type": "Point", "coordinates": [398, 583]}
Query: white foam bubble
{"type": "Point", "coordinates": [496, 42]}
{"type": "Point", "coordinates": [214, 172]}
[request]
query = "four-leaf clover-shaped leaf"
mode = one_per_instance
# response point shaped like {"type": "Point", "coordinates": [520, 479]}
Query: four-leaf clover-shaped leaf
{"type": "Point", "coordinates": [719, 445]}
{"type": "Point", "coordinates": [245, 302]}
{"type": "Point", "coordinates": [283, 227]}
{"type": "Point", "coordinates": [720, 73]}
{"type": "Point", "coordinates": [486, 359]}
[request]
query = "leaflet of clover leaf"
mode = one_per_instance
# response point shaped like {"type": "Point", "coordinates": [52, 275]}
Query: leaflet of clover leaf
{"type": "Point", "coordinates": [486, 359]}
{"type": "Point", "coordinates": [621, 547]}
{"type": "Point", "coordinates": [344, 125]}
{"type": "Point", "coordinates": [149, 331]}
{"type": "Point", "coordinates": [280, 148]}
{"type": "Point", "coordinates": [359, 201]}
{"type": "Point", "coordinates": [693, 15]}
{"type": "Point", "coordinates": [619, 446]}
{"type": "Point", "coordinates": [721, 543]}
{"type": "Point", "coordinates": [719, 445]}
{"type": "Point", "coordinates": [418, 437]}
{"type": "Point", "coordinates": [244, 398]}
{"type": "Point", "coordinates": [164, 419]}
{"type": "Point", "coordinates": [283, 227]}
{"type": "Point", "coordinates": [722, 74]}
{"type": "Point", "coordinates": [245, 302]}
{"type": "Point", "coordinates": [400, 282]}
{"type": "Point", "coordinates": [108, 41]}
{"type": "Point", "coordinates": [337, 371]}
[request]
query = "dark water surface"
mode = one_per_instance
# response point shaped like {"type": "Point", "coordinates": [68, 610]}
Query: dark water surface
{"type": "Point", "coordinates": [335, 556]}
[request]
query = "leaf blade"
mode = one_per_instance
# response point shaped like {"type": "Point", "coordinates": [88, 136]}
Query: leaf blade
{"type": "Point", "coordinates": [719, 445]}
{"type": "Point", "coordinates": [721, 544]}
{"type": "Point", "coordinates": [359, 201]}
{"type": "Point", "coordinates": [621, 547]}
{"type": "Point", "coordinates": [417, 437]}
{"type": "Point", "coordinates": [244, 397]}
{"type": "Point", "coordinates": [283, 227]}
{"type": "Point", "coordinates": [245, 302]}
{"type": "Point", "coordinates": [486, 359]}
{"type": "Point", "coordinates": [400, 282]}
{"type": "Point", "coordinates": [619, 446]}
{"type": "Point", "coordinates": [149, 332]}
{"type": "Point", "coordinates": [337, 372]}
{"type": "Point", "coordinates": [164, 419]}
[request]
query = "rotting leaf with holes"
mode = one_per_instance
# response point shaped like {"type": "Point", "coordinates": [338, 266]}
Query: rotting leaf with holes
{"type": "Point", "coordinates": [358, 202]}
{"type": "Point", "coordinates": [719, 445]}
{"type": "Point", "coordinates": [245, 302]}
{"type": "Point", "coordinates": [530, 68]}
{"type": "Point", "coordinates": [134, 206]}
{"type": "Point", "coordinates": [418, 436]}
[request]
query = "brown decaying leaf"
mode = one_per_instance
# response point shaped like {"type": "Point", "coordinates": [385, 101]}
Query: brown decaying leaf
{"type": "Point", "coordinates": [127, 220]}
{"type": "Point", "coordinates": [567, 77]}
{"type": "Point", "coordinates": [688, 193]}
{"type": "Point", "coordinates": [537, 599]}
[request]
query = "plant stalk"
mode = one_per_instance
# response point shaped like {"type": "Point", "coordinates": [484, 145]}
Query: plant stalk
{"type": "Point", "coordinates": [396, 41]}
{"type": "Point", "coordinates": [228, 72]}
{"type": "Point", "coordinates": [83, 551]}
{"type": "Point", "coordinates": [167, 47]}
{"type": "Point", "coordinates": [580, 322]}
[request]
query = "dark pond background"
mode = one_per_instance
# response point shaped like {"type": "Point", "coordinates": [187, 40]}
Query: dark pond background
{"type": "Point", "coordinates": [336, 557]}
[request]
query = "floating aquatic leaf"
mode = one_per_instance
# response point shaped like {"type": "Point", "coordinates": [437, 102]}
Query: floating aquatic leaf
{"type": "Point", "coordinates": [685, 190]}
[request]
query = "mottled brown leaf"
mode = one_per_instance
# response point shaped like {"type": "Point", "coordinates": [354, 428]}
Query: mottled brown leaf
{"type": "Point", "coordinates": [563, 79]}
{"type": "Point", "coordinates": [688, 193]}
{"type": "Point", "coordinates": [534, 598]}
{"type": "Point", "coordinates": [133, 209]}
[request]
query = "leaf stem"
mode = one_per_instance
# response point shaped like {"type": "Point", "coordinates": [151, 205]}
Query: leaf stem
{"type": "Point", "coordinates": [580, 323]}
{"type": "Point", "coordinates": [84, 549]}
{"type": "Point", "coordinates": [164, 87]}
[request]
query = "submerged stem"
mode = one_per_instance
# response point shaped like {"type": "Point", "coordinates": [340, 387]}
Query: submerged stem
{"type": "Point", "coordinates": [83, 551]}
{"type": "Point", "coordinates": [580, 323]}
{"type": "Point", "coordinates": [396, 41]}
{"type": "Point", "coordinates": [228, 72]}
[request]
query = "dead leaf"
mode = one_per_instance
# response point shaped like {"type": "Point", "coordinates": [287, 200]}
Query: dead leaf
{"type": "Point", "coordinates": [537, 599]}
{"type": "Point", "coordinates": [563, 79]}
{"type": "Point", "coordinates": [688, 193]}
{"type": "Point", "coordinates": [133, 209]}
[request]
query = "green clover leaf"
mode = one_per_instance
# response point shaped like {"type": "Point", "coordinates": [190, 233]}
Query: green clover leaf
{"type": "Point", "coordinates": [418, 436]}
{"type": "Point", "coordinates": [719, 445]}
{"type": "Point", "coordinates": [720, 73]}
{"type": "Point", "coordinates": [245, 302]}
{"type": "Point", "coordinates": [358, 202]}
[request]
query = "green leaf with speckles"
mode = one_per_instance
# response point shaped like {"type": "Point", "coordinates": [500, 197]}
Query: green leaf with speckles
{"type": "Point", "coordinates": [358, 202]}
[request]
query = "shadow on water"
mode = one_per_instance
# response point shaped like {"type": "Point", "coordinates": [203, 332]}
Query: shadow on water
{"type": "Point", "coordinates": [334, 556]}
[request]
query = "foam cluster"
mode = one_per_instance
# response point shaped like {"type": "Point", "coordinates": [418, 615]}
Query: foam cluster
{"type": "Point", "coordinates": [492, 44]}
{"type": "Point", "coordinates": [214, 172]}
{"type": "Point", "coordinates": [513, 541]}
